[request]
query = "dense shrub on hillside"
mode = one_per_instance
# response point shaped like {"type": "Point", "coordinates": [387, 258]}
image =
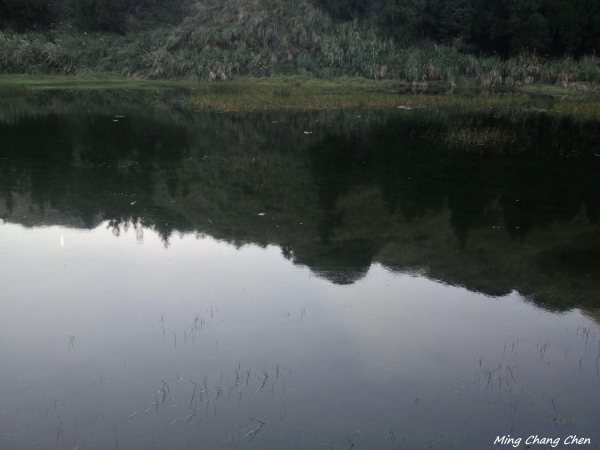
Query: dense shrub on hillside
{"type": "Point", "coordinates": [112, 15]}
{"type": "Point", "coordinates": [346, 9]}
{"type": "Point", "coordinates": [448, 20]}
{"type": "Point", "coordinates": [100, 15]}
{"type": "Point", "coordinates": [502, 27]}
{"type": "Point", "coordinates": [506, 27]}
{"type": "Point", "coordinates": [510, 26]}
{"type": "Point", "coordinates": [403, 18]}
{"type": "Point", "coordinates": [219, 40]}
{"type": "Point", "coordinates": [25, 14]}
{"type": "Point", "coordinates": [574, 25]}
{"type": "Point", "coordinates": [547, 26]}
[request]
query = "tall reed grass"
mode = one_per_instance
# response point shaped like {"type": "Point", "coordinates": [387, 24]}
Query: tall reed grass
{"type": "Point", "coordinates": [218, 40]}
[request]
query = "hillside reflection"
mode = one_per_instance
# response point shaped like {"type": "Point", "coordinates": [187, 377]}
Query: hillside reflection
{"type": "Point", "coordinates": [495, 202]}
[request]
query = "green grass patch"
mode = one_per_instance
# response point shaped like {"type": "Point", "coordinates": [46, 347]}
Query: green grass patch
{"type": "Point", "coordinates": [570, 90]}
{"type": "Point", "coordinates": [105, 80]}
{"type": "Point", "coordinates": [309, 93]}
{"type": "Point", "coordinates": [302, 93]}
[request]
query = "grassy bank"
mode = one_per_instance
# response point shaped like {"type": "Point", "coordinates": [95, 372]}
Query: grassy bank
{"type": "Point", "coordinates": [101, 80]}
{"type": "Point", "coordinates": [300, 93]}
{"type": "Point", "coordinates": [266, 38]}
{"type": "Point", "coordinates": [309, 93]}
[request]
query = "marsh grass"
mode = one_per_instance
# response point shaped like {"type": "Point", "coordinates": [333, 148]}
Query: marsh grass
{"type": "Point", "coordinates": [10, 90]}
{"type": "Point", "coordinates": [578, 109]}
{"type": "Point", "coordinates": [487, 137]}
{"type": "Point", "coordinates": [275, 100]}
{"type": "Point", "coordinates": [291, 93]}
{"type": "Point", "coordinates": [301, 93]}
{"type": "Point", "coordinates": [105, 80]}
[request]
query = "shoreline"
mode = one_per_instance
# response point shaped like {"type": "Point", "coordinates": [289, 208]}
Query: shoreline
{"type": "Point", "coordinates": [244, 93]}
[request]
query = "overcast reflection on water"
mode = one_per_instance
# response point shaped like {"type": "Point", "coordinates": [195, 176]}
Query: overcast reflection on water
{"type": "Point", "coordinates": [102, 336]}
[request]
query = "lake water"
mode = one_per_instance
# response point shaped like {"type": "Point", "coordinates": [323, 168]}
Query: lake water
{"type": "Point", "coordinates": [180, 279]}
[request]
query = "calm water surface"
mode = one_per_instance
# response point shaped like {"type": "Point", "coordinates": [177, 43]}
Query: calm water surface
{"type": "Point", "coordinates": [175, 279]}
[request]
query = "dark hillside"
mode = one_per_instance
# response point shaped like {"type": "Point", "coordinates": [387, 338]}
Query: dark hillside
{"type": "Point", "coordinates": [506, 27]}
{"type": "Point", "coordinates": [454, 41]}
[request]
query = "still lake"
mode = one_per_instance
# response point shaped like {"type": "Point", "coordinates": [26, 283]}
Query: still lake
{"type": "Point", "coordinates": [180, 279]}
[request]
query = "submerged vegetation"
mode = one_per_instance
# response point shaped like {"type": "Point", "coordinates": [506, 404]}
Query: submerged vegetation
{"type": "Point", "coordinates": [215, 40]}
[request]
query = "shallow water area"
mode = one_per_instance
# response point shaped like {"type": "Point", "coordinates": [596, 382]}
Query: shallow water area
{"type": "Point", "coordinates": [341, 279]}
